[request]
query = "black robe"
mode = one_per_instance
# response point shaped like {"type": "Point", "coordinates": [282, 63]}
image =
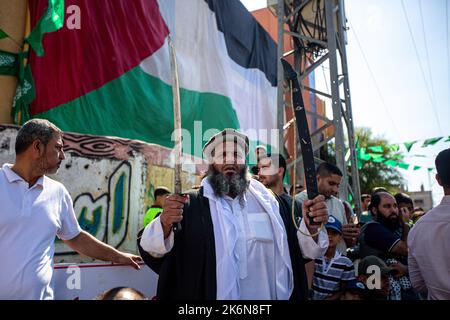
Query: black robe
{"type": "Point", "coordinates": [188, 271]}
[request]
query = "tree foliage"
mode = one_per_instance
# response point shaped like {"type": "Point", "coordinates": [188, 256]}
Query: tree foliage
{"type": "Point", "coordinates": [374, 174]}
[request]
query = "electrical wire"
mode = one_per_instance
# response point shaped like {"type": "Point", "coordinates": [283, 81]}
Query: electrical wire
{"type": "Point", "coordinates": [373, 79]}
{"type": "Point", "coordinates": [426, 50]}
{"type": "Point", "coordinates": [421, 67]}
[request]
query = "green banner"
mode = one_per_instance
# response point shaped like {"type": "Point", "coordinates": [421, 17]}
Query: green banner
{"type": "Point", "coordinates": [52, 20]}
{"type": "Point", "coordinates": [9, 63]}
{"type": "Point", "coordinates": [417, 168]}
{"type": "Point", "coordinates": [25, 94]}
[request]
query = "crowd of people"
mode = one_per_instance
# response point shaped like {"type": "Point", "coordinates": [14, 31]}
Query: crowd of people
{"type": "Point", "coordinates": [244, 233]}
{"type": "Point", "coordinates": [378, 239]}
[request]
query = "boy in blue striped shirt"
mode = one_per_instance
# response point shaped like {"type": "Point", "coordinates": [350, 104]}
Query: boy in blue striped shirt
{"type": "Point", "coordinates": [333, 270]}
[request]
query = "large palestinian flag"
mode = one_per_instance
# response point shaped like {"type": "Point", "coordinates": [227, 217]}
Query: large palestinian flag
{"type": "Point", "coordinates": [113, 77]}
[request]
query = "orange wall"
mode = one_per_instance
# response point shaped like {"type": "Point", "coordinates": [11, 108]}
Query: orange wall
{"type": "Point", "coordinates": [269, 22]}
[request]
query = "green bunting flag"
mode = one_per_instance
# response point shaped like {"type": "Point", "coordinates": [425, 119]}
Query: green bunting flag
{"type": "Point", "coordinates": [394, 147]}
{"type": "Point", "coordinates": [398, 156]}
{"type": "Point", "coordinates": [417, 168]}
{"type": "Point", "coordinates": [379, 159]}
{"type": "Point", "coordinates": [391, 163]}
{"type": "Point", "coordinates": [430, 169]}
{"type": "Point", "coordinates": [408, 145]}
{"type": "Point", "coordinates": [52, 20]}
{"type": "Point", "coordinates": [9, 63]}
{"type": "Point", "coordinates": [403, 165]}
{"type": "Point", "coordinates": [3, 34]}
{"type": "Point", "coordinates": [431, 141]}
{"type": "Point", "coordinates": [376, 149]}
{"type": "Point", "coordinates": [375, 155]}
{"type": "Point", "coordinates": [365, 156]}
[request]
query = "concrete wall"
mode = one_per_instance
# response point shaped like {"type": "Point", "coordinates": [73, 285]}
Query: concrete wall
{"type": "Point", "coordinates": [111, 182]}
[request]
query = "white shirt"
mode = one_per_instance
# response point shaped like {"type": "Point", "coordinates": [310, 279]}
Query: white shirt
{"type": "Point", "coordinates": [30, 218]}
{"type": "Point", "coordinates": [335, 208]}
{"type": "Point", "coordinates": [252, 253]}
{"type": "Point", "coordinates": [429, 252]}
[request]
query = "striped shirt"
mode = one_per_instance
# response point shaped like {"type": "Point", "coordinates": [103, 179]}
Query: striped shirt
{"type": "Point", "coordinates": [329, 275]}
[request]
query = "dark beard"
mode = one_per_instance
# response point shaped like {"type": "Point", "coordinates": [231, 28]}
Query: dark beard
{"type": "Point", "coordinates": [388, 223]}
{"type": "Point", "coordinates": [234, 185]}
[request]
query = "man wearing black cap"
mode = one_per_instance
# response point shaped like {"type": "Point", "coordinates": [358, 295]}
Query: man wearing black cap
{"type": "Point", "coordinates": [374, 273]}
{"type": "Point", "coordinates": [233, 243]}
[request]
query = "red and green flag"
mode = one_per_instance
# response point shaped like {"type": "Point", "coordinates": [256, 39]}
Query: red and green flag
{"type": "Point", "coordinates": [112, 76]}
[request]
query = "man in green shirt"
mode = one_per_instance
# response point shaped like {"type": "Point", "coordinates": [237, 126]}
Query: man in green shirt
{"type": "Point", "coordinates": [160, 195]}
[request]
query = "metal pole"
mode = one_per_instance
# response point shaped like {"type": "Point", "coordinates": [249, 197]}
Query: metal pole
{"type": "Point", "coordinates": [348, 106]}
{"type": "Point", "coordinates": [280, 77]}
{"type": "Point", "coordinates": [336, 103]}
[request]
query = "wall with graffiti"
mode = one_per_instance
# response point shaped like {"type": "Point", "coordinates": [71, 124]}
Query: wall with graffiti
{"type": "Point", "coordinates": [111, 181]}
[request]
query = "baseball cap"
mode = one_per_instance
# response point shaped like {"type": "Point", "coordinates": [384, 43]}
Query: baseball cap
{"type": "Point", "coordinates": [334, 224]}
{"type": "Point", "coordinates": [355, 285]}
{"type": "Point", "coordinates": [369, 261]}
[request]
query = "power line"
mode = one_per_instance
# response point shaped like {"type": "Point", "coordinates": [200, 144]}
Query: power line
{"type": "Point", "coordinates": [373, 78]}
{"type": "Point", "coordinates": [421, 66]}
{"type": "Point", "coordinates": [426, 51]}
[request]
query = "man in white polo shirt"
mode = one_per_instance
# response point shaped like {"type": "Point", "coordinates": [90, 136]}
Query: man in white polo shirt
{"type": "Point", "coordinates": [33, 210]}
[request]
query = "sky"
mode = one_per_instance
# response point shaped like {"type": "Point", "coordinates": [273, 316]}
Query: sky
{"type": "Point", "coordinates": [398, 90]}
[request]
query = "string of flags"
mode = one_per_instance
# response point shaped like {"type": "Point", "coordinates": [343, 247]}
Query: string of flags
{"type": "Point", "coordinates": [376, 153]}
{"type": "Point", "coordinates": [408, 145]}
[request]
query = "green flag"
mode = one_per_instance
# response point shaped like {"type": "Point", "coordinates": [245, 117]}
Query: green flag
{"type": "Point", "coordinates": [358, 155]}
{"type": "Point", "coordinates": [379, 159]}
{"type": "Point", "coordinates": [391, 163]}
{"type": "Point", "coordinates": [394, 147]}
{"type": "Point", "coordinates": [448, 139]}
{"type": "Point", "coordinates": [9, 63]}
{"type": "Point", "coordinates": [3, 34]}
{"type": "Point", "coordinates": [430, 169]}
{"type": "Point", "coordinates": [25, 94]}
{"type": "Point", "coordinates": [408, 145]}
{"type": "Point", "coordinates": [431, 141]}
{"type": "Point", "coordinates": [52, 20]}
{"type": "Point", "coordinates": [416, 168]}
{"type": "Point", "coordinates": [375, 155]}
{"type": "Point", "coordinates": [376, 149]}
{"type": "Point", "coordinates": [403, 165]}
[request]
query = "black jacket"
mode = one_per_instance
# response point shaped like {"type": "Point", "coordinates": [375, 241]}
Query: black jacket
{"type": "Point", "coordinates": [188, 271]}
